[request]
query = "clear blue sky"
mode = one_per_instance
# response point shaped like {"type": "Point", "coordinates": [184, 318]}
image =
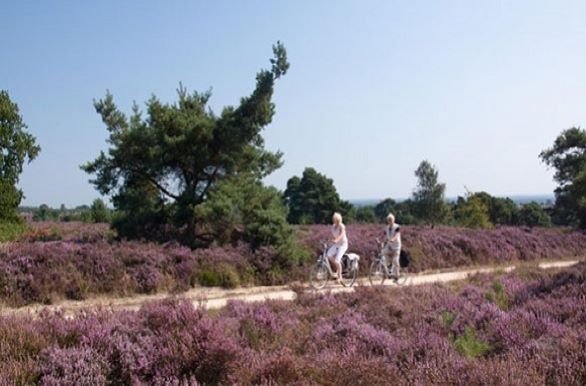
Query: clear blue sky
{"type": "Point", "coordinates": [477, 88]}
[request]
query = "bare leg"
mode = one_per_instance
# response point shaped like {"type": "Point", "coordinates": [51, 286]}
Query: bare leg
{"type": "Point", "coordinates": [338, 267]}
{"type": "Point", "coordinates": [338, 263]}
{"type": "Point", "coordinates": [333, 265]}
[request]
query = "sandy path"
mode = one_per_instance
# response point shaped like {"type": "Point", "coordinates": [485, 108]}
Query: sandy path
{"type": "Point", "coordinates": [214, 298]}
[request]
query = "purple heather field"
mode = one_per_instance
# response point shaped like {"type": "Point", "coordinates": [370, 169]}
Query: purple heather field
{"type": "Point", "coordinates": [521, 328]}
{"type": "Point", "coordinates": [525, 327]}
{"type": "Point", "coordinates": [57, 261]}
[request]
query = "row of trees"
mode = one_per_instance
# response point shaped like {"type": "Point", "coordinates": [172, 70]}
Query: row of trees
{"type": "Point", "coordinates": [97, 212]}
{"type": "Point", "coordinates": [187, 173]}
{"type": "Point", "coordinates": [313, 198]}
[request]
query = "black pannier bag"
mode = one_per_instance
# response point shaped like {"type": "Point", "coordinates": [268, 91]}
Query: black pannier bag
{"type": "Point", "coordinates": [404, 258]}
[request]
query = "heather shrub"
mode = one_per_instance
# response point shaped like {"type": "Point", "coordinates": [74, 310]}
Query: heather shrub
{"type": "Point", "coordinates": [443, 247]}
{"type": "Point", "coordinates": [20, 345]}
{"type": "Point", "coordinates": [72, 366]}
{"type": "Point", "coordinates": [69, 231]}
{"type": "Point", "coordinates": [429, 334]}
{"type": "Point", "coordinates": [255, 325]}
{"type": "Point", "coordinates": [76, 288]}
{"type": "Point", "coordinates": [85, 261]}
{"type": "Point", "coordinates": [18, 372]}
{"type": "Point", "coordinates": [201, 350]}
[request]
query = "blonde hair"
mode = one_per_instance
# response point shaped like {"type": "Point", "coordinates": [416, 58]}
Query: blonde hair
{"type": "Point", "coordinates": [391, 217]}
{"type": "Point", "coordinates": [337, 217]}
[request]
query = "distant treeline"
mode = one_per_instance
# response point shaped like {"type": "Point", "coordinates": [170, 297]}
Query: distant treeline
{"type": "Point", "coordinates": [313, 198]}
{"type": "Point", "coordinates": [96, 212]}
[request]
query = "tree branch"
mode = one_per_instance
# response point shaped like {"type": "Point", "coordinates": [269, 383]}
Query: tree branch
{"type": "Point", "coordinates": [155, 182]}
{"type": "Point", "coordinates": [208, 185]}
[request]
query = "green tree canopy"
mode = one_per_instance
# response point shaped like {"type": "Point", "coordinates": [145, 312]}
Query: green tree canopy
{"type": "Point", "coordinates": [99, 211]}
{"type": "Point", "coordinates": [365, 214]}
{"type": "Point", "coordinates": [403, 211]}
{"type": "Point", "coordinates": [502, 211]}
{"type": "Point", "coordinates": [241, 208]}
{"type": "Point", "coordinates": [44, 213]}
{"type": "Point", "coordinates": [383, 208]}
{"type": "Point", "coordinates": [568, 158]}
{"type": "Point", "coordinates": [473, 212]}
{"type": "Point", "coordinates": [312, 199]}
{"type": "Point", "coordinates": [160, 169]}
{"type": "Point", "coordinates": [532, 214]}
{"type": "Point", "coordinates": [429, 196]}
{"type": "Point", "coordinates": [16, 147]}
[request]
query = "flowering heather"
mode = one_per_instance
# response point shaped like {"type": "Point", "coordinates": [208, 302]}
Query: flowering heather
{"type": "Point", "coordinates": [432, 334]}
{"type": "Point", "coordinates": [76, 260]}
{"type": "Point", "coordinates": [68, 231]}
{"type": "Point", "coordinates": [443, 247]}
{"type": "Point", "coordinates": [46, 271]}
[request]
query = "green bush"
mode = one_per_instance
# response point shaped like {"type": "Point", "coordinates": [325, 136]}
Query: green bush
{"type": "Point", "coordinates": [223, 275]}
{"type": "Point", "coordinates": [498, 295]}
{"type": "Point", "coordinates": [469, 345]}
{"type": "Point", "coordinates": [100, 212]}
{"type": "Point", "coordinates": [448, 318]}
{"type": "Point", "coordinates": [10, 231]}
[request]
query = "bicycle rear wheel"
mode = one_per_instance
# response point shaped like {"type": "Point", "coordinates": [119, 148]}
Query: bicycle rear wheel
{"type": "Point", "coordinates": [377, 273]}
{"type": "Point", "coordinates": [318, 276]}
{"type": "Point", "coordinates": [349, 277]}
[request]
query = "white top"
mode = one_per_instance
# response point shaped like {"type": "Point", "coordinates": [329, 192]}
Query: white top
{"type": "Point", "coordinates": [391, 232]}
{"type": "Point", "coordinates": [336, 230]}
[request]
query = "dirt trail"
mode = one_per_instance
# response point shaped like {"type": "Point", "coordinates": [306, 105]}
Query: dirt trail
{"type": "Point", "coordinates": [214, 298]}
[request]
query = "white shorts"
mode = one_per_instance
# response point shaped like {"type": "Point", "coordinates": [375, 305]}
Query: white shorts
{"type": "Point", "coordinates": [338, 251]}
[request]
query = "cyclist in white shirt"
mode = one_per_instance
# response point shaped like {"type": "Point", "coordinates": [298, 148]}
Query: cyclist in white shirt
{"type": "Point", "coordinates": [339, 244]}
{"type": "Point", "coordinates": [393, 245]}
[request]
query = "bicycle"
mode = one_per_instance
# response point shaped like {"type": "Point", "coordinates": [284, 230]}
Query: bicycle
{"type": "Point", "coordinates": [322, 271]}
{"type": "Point", "coordinates": [379, 270]}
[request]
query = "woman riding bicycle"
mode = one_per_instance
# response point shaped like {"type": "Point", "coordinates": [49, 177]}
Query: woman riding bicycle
{"type": "Point", "coordinates": [339, 244]}
{"type": "Point", "coordinates": [393, 244]}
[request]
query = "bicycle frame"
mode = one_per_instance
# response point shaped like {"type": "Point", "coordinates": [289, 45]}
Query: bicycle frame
{"type": "Point", "coordinates": [379, 269]}
{"type": "Point", "coordinates": [382, 258]}
{"type": "Point", "coordinates": [323, 259]}
{"type": "Point", "coordinates": [322, 271]}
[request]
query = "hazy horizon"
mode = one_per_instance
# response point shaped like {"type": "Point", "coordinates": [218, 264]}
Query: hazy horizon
{"type": "Point", "coordinates": [374, 88]}
{"type": "Point", "coordinates": [520, 199]}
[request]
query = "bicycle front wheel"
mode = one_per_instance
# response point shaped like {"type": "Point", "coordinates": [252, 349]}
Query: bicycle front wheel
{"type": "Point", "coordinates": [318, 276]}
{"type": "Point", "coordinates": [377, 273]}
{"type": "Point", "coordinates": [403, 276]}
